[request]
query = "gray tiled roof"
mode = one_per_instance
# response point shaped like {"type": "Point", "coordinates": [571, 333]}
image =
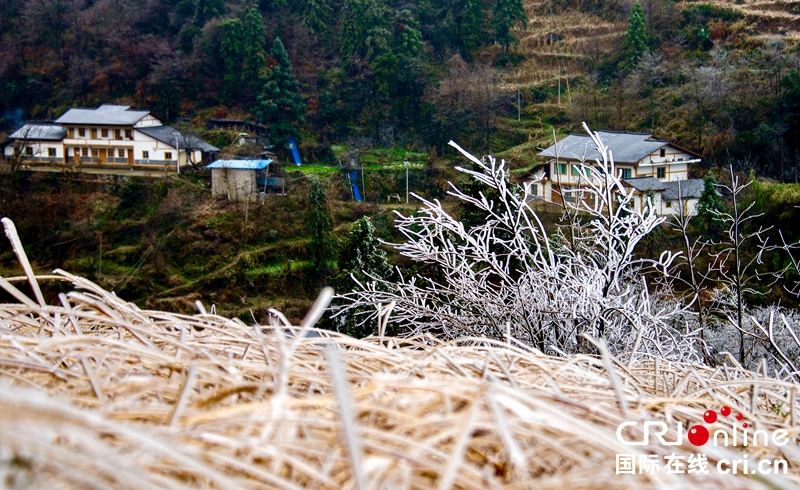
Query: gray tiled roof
{"type": "Point", "coordinates": [689, 189]}
{"type": "Point", "coordinates": [646, 183]}
{"type": "Point", "coordinates": [168, 134]}
{"type": "Point", "coordinates": [39, 132]}
{"type": "Point", "coordinates": [625, 147]}
{"type": "Point", "coordinates": [106, 115]}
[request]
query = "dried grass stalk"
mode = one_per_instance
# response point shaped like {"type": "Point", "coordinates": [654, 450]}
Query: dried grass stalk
{"type": "Point", "coordinates": [97, 393]}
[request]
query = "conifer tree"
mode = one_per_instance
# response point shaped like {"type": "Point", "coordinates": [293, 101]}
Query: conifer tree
{"type": "Point", "coordinates": [365, 28]}
{"type": "Point", "coordinates": [231, 50]}
{"type": "Point", "coordinates": [254, 37]}
{"type": "Point", "coordinates": [396, 67]}
{"type": "Point", "coordinates": [361, 256]}
{"type": "Point", "coordinates": [636, 38]}
{"type": "Point", "coordinates": [169, 105]}
{"type": "Point", "coordinates": [206, 10]}
{"type": "Point", "coordinates": [461, 24]}
{"type": "Point", "coordinates": [505, 15]}
{"type": "Point", "coordinates": [362, 260]}
{"type": "Point", "coordinates": [317, 16]}
{"type": "Point", "coordinates": [319, 224]}
{"type": "Point", "coordinates": [280, 105]}
{"type": "Point", "coordinates": [710, 203]}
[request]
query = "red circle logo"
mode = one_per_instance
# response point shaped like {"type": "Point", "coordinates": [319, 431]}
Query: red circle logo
{"type": "Point", "coordinates": [698, 435]}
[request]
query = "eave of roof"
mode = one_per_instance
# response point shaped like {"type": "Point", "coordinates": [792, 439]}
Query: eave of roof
{"type": "Point", "coordinates": [168, 135]}
{"type": "Point", "coordinates": [689, 189]}
{"type": "Point", "coordinates": [241, 164]}
{"type": "Point", "coordinates": [105, 115]}
{"type": "Point", "coordinates": [624, 147]}
{"type": "Point", "coordinates": [646, 183]}
{"type": "Point", "coordinates": [39, 132]}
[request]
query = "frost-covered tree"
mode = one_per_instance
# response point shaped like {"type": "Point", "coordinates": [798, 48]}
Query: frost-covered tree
{"type": "Point", "coordinates": [737, 262]}
{"type": "Point", "coordinates": [507, 278]}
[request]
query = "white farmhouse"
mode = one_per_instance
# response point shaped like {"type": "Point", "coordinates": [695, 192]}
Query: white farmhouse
{"type": "Point", "coordinates": [37, 143]}
{"type": "Point", "coordinates": [654, 169]}
{"type": "Point", "coordinates": [111, 135]}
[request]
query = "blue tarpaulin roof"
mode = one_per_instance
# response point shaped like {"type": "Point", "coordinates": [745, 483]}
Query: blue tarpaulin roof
{"type": "Point", "coordinates": [241, 164]}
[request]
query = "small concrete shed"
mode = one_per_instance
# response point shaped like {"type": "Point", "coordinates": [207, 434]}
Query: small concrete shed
{"type": "Point", "coordinates": [236, 179]}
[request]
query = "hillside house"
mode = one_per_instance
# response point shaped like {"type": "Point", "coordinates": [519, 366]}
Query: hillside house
{"type": "Point", "coordinates": [111, 135]}
{"type": "Point", "coordinates": [39, 143]}
{"type": "Point", "coordinates": [654, 169]}
{"type": "Point", "coordinates": [238, 180]}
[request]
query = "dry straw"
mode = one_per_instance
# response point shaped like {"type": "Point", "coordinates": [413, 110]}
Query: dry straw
{"type": "Point", "coordinates": [97, 393]}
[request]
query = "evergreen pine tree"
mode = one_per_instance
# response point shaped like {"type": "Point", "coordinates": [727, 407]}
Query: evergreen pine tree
{"type": "Point", "coordinates": [319, 224]}
{"type": "Point", "coordinates": [169, 105]}
{"type": "Point", "coordinates": [206, 10]}
{"type": "Point", "coordinates": [365, 28]}
{"type": "Point", "coordinates": [280, 105]}
{"type": "Point", "coordinates": [231, 50]}
{"type": "Point", "coordinates": [399, 64]}
{"type": "Point", "coordinates": [464, 19]}
{"type": "Point", "coordinates": [254, 37]}
{"type": "Point", "coordinates": [361, 258]}
{"type": "Point", "coordinates": [709, 203]}
{"type": "Point", "coordinates": [317, 16]}
{"type": "Point", "coordinates": [505, 15]}
{"type": "Point", "coordinates": [636, 38]}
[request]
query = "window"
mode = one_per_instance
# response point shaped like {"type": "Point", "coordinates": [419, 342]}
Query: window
{"type": "Point", "coordinates": [669, 204]}
{"type": "Point", "coordinates": [82, 132]}
{"type": "Point", "coordinates": [167, 155]}
{"type": "Point", "coordinates": [104, 133]}
{"type": "Point", "coordinates": [625, 173]}
{"type": "Point", "coordinates": [29, 151]}
{"type": "Point", "coordinates": [121, 152]}
{"type": "Point", "coordinates": [94, 133]}
{"type": "Point", "coordinates": [117, 134]}
{"type": "Point", "coordinates": [561, 168]}
{"type": "Point", "coordinates": [535, 190]}
{"type": "Point", "coordinates": [128, 134]}
{"type": "Point", "coordinates": [145, 154]}
{"type": "Point", "coordinates": [51, 152]}
{"type": "Point", "coordinates": [85, 152]}
{"type": "Point", "coordinates": [661, 172]}
{"type": "Point", "coordinates": [95, 153]}
{"type": "Point", "coordinates": [581, 171]}
{"type": "Point", "coordinates": [663, 153]}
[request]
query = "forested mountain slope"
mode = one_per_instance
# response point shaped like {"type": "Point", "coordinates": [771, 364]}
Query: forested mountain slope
{"type": "Point", "coordinates": [719, 77]}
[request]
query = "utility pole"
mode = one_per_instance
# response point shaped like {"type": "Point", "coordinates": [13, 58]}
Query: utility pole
{"type": "Point", "coordinates": [406, 164]}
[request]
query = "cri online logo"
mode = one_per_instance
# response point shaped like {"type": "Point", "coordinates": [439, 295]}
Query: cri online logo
{"type": "Point", "coordinates": [699, 435]}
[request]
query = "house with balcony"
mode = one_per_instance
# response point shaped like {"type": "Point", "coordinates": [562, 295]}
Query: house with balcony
{"type": "Point", "coordinates": [110, 135]}
{"type": "Point", "coordinates": [655, 170]}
